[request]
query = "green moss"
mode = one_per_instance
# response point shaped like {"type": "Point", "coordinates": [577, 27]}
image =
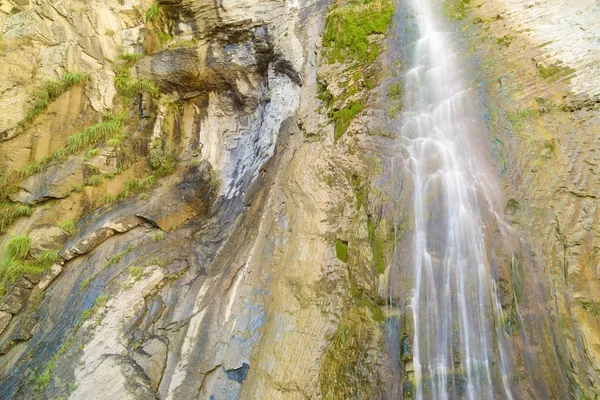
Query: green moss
{"type": "Point", "coordinates": [49, 92]}
{"type": "Point", "coordinates": [341, 250]}
{"type": "Point", "coordinates": [554, 71]}
{"type": "Point", "coordinates": [323, 92]}
{"type": "Point", "coordinates": [346, 369]}
{"type": "Point", "coordinates": [348, 27]}
{"type": "Point", "coordinates": [377, 245]}
{"type": "Point", "coordinates": [394, 91]}
{"type": "Point", "coordinates": [158, 236]}
{"type": "Point", "coordinates": [343, 117]}
{"type": "Point", "coordinates": [456, 9]}
{"type": "Point", "coordinates": [505, 41]}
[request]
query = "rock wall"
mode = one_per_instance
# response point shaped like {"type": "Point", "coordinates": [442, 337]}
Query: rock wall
{"type": "Point", "coordinates": [211, 210]}
{"type": "Point", "coordinates": [536, 65]}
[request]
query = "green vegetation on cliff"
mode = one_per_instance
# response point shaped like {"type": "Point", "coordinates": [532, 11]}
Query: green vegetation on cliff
{"type": "Point", "coordinates": [15, 261]}
{"type": "Point", "coordinates": [50, 91]}
{"type": "Point", "coordinates": [349, 26]}
{"type": "Point", "coordinates": [347, 368]}
{"type": "Point", "coordinates": [352, 38]}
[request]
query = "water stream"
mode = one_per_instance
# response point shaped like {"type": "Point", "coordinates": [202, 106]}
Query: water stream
{"type": "Point", "coordinates": [456, 349]}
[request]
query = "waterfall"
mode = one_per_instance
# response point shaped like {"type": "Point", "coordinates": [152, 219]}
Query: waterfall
{"type": "Point", "coordinates": [457, 351]}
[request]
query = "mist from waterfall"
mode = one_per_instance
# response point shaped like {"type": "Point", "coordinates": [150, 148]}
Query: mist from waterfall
{"type": "Point", "coordinates": [456, 352]}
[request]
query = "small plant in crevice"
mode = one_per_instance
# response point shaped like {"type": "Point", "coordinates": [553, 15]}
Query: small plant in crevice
{"type": "Point", "coordinates": [69, 226]}
{"type": "Point", "coordinates": [159, 236]}
{"type": "Point", "coordinates": [154, 12]}
{"type": "Point", "coordinates": [127, 86]}
{"type": "Point", "coordinates": [162, 158]}
{"type": "Point", "coordinates": [116, 258]}
{"type": "Point", "coordinates": [108, 127]}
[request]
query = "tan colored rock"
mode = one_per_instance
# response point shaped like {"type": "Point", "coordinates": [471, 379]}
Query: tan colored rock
{"type": "Point", "coordinates": [16, 297]}
{"type": "Point", "coordinates": [106, 161]}
{"type": "Point", "coordinates": [5, 318]}
{"type": "Point", "coordinates": [46, 238]}
{"type": "Point", "coordinates": [48, 277]}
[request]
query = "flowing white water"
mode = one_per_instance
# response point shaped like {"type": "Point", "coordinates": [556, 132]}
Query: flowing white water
{"type": "Point", "coordinates": [456, 348]}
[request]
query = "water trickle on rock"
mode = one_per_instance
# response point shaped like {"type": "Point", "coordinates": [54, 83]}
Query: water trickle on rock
{"type": "Point", "coordinates": [456, 350]}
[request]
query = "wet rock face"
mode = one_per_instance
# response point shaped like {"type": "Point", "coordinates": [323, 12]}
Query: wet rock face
{"type": "Point", "coordinates": [547, 148]}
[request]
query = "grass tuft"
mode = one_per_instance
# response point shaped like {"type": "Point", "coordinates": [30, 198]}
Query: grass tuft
{"type": "Point", "coordinates": [49, 92]}
{"type": "Point", "coordinates": [17, 247]}
{"type": "Point", "coordinates": [68, 226]}
{"type": "Point", "coordinates": [153, 12]}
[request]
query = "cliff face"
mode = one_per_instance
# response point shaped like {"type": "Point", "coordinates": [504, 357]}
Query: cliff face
{"type": "Point", "coordinates": [200, 199]}
{"type": "Point", "coordinates": [537, 67]}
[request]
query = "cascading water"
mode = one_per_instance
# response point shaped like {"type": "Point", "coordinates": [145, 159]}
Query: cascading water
{"type": "Point", "coordinates": [456, 349]}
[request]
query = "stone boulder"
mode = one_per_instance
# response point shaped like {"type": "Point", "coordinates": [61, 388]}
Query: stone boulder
{"type": "Point", "coordinates": [56, 182]}
{"type": "Point", "coordinates": [17, 296]}
{"type": "Point", "coordinates": [46, 238]}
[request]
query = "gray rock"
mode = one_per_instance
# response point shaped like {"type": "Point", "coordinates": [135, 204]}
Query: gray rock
{"type": "Point", "coordinates": [18, 294]}
{"type": "Point", "coordinates": [152, 357]}
{"type": "Point", "coordinates": [114, 377]}
{"type": "Point", "coordinates": [54, 183]}
{"type": "Point", "coordinates": [97, 234]}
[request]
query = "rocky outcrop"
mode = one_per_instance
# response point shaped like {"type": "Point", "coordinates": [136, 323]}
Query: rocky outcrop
{"type": "Point", "coordinates": [226, 241]}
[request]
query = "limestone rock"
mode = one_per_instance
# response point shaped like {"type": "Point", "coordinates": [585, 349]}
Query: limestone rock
{"type": "Point", "coordinates": [55, 182]}
{"type": "Point", "coordinates": [114, 377]}
{"type": "Point", "coordinates": [16, 297]}
{"type": "Point", "coordinates": [46, 238]}
{"type": "Point", "coordinates": [152, 357]}
{"type": "Point", "coordinates": [5, 318]}
{"type": "Point", "coordinates": [48, 277]}
{"type": "Point", "coordinates": [95, 235]}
